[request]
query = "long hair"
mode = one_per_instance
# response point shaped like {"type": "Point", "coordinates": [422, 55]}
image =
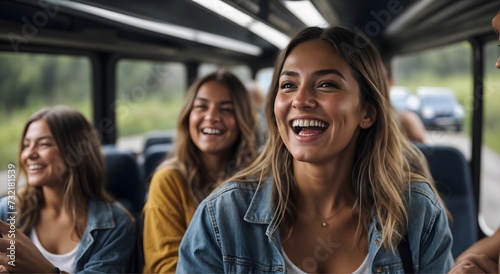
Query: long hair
{"type": "Point", "coordinates": [385, 162]}
{"type": "Point", "coordinates": [84, 179]}
{"type": "Point", "coordinates": [186, 156]}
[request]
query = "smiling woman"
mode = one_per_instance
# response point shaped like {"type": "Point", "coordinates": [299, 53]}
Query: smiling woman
{"type": "Point", "coordinates": [212, 121]}
{"type": "Point", "coordinates": [215, 138]}
{"type": "Point", "coordinates": [337, 189]}
{"type": "Point", "coordinates": [48, 167]}
{"type": "Point", "coordinates": [66, 220]}
{"type": "Point", "coordinates": [333, 90]}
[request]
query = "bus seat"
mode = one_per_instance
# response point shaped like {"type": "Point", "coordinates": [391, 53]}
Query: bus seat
{"type": "Point", "coordinates": [158, 137]}
{"type": "Point", "coordinates": [451, 173]}
{"type": "Point", "coordinates": [123, 179]}
{"type": "Point", "coordinates": [153, 156]}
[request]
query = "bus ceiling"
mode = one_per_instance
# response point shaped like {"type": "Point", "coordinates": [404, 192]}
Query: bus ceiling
{"type": "Point", "coordinates": [233, 31]}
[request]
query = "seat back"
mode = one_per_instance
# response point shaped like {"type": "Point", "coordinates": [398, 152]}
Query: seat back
{"type": "Point", "coordinates": [123, 179]}
{"type": "Point", "coordinates": [153, 156]}
{"type": "Point", "coordinates": [125, 183]}
{"type": "Point", "coordinates": [451, 173]}
{"type": "Point", "coordinates": [158, 137]}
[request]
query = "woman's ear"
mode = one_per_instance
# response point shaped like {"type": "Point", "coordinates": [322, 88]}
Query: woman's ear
{"type": "Point", "coordinates": [369, 116]}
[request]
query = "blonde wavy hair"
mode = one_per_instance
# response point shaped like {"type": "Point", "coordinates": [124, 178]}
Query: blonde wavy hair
{"type": "Point", "coordinates": [185, 157]}
{"type": "Point", "coordinates": [385, 161]}
{"type": "Point", "coordinates": [84, 179]}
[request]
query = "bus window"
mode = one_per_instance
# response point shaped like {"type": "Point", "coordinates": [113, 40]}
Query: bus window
{"type": "Point", "coordinates": [32, 81]}
{"type": "Point", "coordinates": [264, 77]}
{"type": "Point", "coordinates": [149, 97]}
{"type": "Point", "coordinates": [441, 82]}
{"type": "Point", "coordinates": [206, 68]}
{"type": "Point", "coordinates": [489, 206]}
{"type": "Point", "coordinates": [242, 72]}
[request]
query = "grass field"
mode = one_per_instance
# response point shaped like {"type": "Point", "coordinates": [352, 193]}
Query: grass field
{"type": "Point", "coordinates": [150, 114]}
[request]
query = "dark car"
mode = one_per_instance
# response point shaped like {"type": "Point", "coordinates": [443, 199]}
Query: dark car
{"type": "Point", "coordinates": [439, 108]}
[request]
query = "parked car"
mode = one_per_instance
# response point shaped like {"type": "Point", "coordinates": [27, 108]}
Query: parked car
{"type": "Point", "coordinates": [439, 108]}
{"type": "Point", "coordinates": [403, 99]}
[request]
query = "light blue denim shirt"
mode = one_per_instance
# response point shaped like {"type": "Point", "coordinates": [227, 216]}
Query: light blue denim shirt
{"type": "Point", "coordinates": [231, 233]}
{"type": "Point", "coordinates": [108, 242]}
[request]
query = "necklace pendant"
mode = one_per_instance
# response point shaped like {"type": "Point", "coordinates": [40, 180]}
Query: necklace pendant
{"type": "Point", "coordinates": [324, 224]}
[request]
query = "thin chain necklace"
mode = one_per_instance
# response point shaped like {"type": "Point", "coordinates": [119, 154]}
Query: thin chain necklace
{"type": "Point", "coordinates": [324, 222]}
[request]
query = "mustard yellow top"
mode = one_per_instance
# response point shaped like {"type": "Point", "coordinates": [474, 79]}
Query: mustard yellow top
{"type": "Point", "coordinates": [167, 214]}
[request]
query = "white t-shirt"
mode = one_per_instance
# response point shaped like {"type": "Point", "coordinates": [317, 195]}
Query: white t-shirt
{"type": "Point", "coordinates": [364, 268]}
{"type": "Point", "coordinates": [65, 262]}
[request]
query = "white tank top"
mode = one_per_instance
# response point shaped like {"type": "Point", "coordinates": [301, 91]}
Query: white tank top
{"type": "Point", "coordinates": [65, 262]}
{"type": "Point", "coordinates": [364, 268]}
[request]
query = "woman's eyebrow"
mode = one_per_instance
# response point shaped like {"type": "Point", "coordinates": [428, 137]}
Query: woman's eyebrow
{"type": "Point", "coordinates": [289, 73]}
{"type": "Point", "coordinates": [201, 99]}
{"type": "Point", "coordinates": [317, 73]}
{"type": "Point", "coordinates": [225, 102]}
{"type": "Point", "coordinates": [40, 138]}
{"type": "Point", "coordinates": [329, 71]}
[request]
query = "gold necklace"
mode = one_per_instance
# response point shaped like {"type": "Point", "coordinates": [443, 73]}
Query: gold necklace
{"type": "Point", "coordinates": [324, 222]}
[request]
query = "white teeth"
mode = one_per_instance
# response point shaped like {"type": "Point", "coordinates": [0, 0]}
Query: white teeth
{"type": "Point", "coordinates": [308, 123]}
{"type": "Point", "coordinates": [211, 131]}
{"type": "Point", "coordinates": [35, 167]}
{"type": "Point", "coordinates": [307, 134]}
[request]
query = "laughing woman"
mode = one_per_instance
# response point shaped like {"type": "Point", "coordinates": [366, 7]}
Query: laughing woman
{"type": "Point", "coordinates": [337, 189]}
{"type": "Point", "coordinates": [67, 222]}
{"type": "Point", "coordinates": [215, 138]}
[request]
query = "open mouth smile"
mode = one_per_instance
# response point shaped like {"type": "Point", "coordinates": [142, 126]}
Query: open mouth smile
{"type": "Point", "coordinates": [308, 127]}
{"type": "Point", "coordinates": [211, 131]}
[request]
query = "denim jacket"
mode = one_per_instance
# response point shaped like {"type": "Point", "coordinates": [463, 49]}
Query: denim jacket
{"type": "Point", "coordinates": [108, 242]}
{"type": "Point", "coordinates": [231, 233]}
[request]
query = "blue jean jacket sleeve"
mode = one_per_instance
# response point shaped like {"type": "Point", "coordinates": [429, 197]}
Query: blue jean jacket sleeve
{"type": "Point", "coordinates": [435, 253]}
{"type": "Point", "coordinates": [429, 229]}
{"type": "Point", "coordinates": [199, 251]}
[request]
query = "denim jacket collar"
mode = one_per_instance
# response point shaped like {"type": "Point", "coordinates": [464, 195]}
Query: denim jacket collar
{"type": "Point", "coordinates": [260, 209]}
{"type": "Point", "coordinates": [100, 217]}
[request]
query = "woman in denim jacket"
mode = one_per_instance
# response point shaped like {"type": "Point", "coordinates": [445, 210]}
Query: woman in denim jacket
{"type": "Point", "coordinates": [337, 189]}
{"type": "Point", "coordinates": [66, 221]}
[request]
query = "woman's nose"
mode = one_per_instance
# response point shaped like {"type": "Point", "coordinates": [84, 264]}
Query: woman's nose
{"type": "Point", "coordinates": [30, 152]}
{"type": "Point", "coordinates": [304, 98]}
{"type": "Point", "coordinates": [212, 114]}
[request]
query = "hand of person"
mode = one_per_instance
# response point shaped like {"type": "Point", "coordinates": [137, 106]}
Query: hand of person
{"type": "Point", "coordinates": [18, 254]}
{"type": "Point", "coordinates": [474, 263]}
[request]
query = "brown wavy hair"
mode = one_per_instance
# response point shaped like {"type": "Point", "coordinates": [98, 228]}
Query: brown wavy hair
{"type": "Point", "coordinates": [84, 179]}
{"type": "Point", "coordinates": [385, 162]}
{"type": "Point", "coordinates": [185, 158]}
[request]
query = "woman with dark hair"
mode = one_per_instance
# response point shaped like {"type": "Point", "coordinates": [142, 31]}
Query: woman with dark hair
{"type": "Point", "coordinates": [337, 188]}
{"type": "Point", "coordinates": [215, 138]}
{"type": "Point", "coordinates": [73, 225]}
